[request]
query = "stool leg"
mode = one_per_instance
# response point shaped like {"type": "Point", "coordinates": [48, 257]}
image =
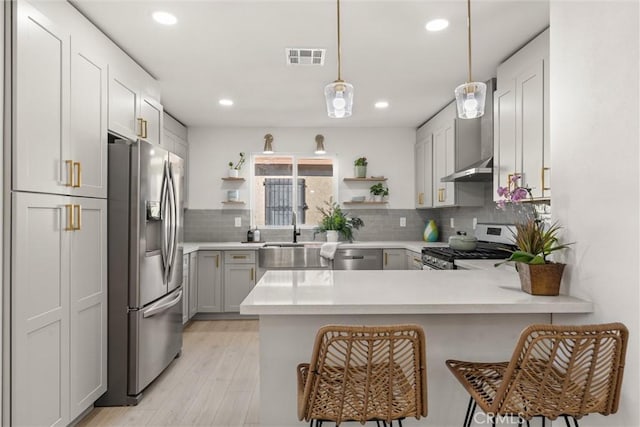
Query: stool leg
{"type": "Point", "coordinates": [566, 420]}
{"type": "Point", "coordinates": [575, 422]}
{"type": "Point", "coordinates": [471, 407]}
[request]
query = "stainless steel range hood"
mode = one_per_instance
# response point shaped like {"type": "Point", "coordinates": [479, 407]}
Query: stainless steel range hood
{"type": "Point", "coordinates": [478, 172]}
{"type": "Point", "coordinates": [482, 170]}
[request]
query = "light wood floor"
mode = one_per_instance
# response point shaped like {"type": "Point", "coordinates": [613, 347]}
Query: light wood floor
{"type": "Point", "coordinates": [213, 383]}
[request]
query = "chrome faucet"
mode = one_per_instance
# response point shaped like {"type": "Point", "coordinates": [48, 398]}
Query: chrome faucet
{"type": "Point", "coordinates": [296, 232]}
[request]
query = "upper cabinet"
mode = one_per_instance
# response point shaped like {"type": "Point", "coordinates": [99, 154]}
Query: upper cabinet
{"type": "Point", "coordinates": [133, 114]}
{"type": "Point", "coordinates": [174, 139]}
{"type": "Point", "coordinates": [521, 119]}
{"type": "Point", "coordinates": [41, 104]}
{"type": "Point", "coordinates": [445, 144]}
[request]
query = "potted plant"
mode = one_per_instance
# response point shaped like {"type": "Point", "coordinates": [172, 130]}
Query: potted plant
{"type": "Point", "coordinates": [535, 241]}
{"type": "Point", "coordinates": [234, 171]}
{"type": "Point", "coordinates": [379, 191]}
{"type": "Point", "coordinates": [360, 167]}
{"type": "Point", "coordinates": [334, 222]}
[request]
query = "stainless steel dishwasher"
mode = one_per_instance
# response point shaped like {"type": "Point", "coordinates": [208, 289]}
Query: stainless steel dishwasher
{"type": "Point", "coordinates": [358, 259]}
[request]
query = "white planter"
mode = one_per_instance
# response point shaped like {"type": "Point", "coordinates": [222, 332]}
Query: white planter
{"type": "Point", "coordinates": [332, 236]}
{"type": "Point", "coordinates": [360, 171]}
{"type": "Point", "coordinates": [378, 198]}
{"type": "Point", "coordinates": [233, 173]}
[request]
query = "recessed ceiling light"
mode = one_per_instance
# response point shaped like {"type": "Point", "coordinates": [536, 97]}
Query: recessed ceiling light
{"type": "Point", "coordinates": [381, 104]}
{"type": "Point", "coordinates": [226, 102]}
{"type": "Point", "coordinates": [437, 24]}
{"type": "Point", "coordinates": [164, 18]}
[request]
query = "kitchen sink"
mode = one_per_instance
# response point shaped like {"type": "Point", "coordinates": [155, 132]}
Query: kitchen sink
{"type": "Point", "coordinates": [291, 256]}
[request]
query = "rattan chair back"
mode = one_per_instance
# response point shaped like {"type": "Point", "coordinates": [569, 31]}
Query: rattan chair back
{"type": "Point", "coordinates": [563, 370]}
{"type": "Point", "coordinates": [360, 373]}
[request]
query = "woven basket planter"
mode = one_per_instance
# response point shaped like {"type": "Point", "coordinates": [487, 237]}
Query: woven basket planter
{"type": "Point", "coordinates": [540, 279]}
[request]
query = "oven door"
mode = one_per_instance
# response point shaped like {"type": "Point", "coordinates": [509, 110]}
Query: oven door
{"type": "Point", "coordinates": [429, 267]}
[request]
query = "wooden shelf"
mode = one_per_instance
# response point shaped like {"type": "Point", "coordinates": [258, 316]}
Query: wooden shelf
{"type": "Point", "coordinates": [230, 178]}
{"type": "Point", "coordinates": [369, 179]}
{"type": "Point", "coordinates": [364, 203]}
{"type": "Point", "coordinates": [229, 202]}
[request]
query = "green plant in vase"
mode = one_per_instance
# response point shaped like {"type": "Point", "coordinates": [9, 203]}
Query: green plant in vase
{"type": "Point", "coordinates": [379, 191]}
{"type": "Point", "coordinates": [335, 221]}
{"type": "Point", "coordinates": [360, 167]}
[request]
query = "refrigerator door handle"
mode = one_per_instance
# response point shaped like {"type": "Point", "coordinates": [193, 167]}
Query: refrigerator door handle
{"type": "Point", "coordinates": [161, 306]}
{"type": "Point", "coordinates": [163, 206]}
{"type": "Point", "coordinates": [173, 248]}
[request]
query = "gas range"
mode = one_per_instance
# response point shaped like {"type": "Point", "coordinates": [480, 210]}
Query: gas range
{"type": "Point", "coordinates": [495, 241]}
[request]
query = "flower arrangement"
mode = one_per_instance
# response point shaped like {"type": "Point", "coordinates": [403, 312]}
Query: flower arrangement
{"type": "Point", "coordinates": [360, 161]}
{"type": "Point", "coordinates": [513, 195]}
{"type": "Point", "coordinates": [334, 218]}
{"type": "Point", "coordinates": [239, 164]}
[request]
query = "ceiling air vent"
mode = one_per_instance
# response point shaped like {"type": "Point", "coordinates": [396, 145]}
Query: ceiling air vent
{"type": "Point", "coordinates": [304, 56]}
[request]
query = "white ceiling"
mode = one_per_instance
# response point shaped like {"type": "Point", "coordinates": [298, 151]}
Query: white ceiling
{"type": "Point", "coordinates": [236, 49]}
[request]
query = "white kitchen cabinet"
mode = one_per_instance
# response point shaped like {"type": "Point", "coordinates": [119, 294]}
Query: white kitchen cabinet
{"type": "Point", "coordinates": [455, 144]}
{"type": "Point", "coordinates": [174, 139]}
{"type": "Point", "coordinates": [193, 284]}
{"type": "Point", "coordinates": [88, 135]}
{"type": "Point", "coordinates": [209, 282]}
{"type": "Point", "coordinates": [239, 278]}
{"type": "Point", "coordinates": [41, 104]}
{"type": "Point", "coordinates": [151, 121]}
{"type": "Point", "coordinates": [414, 260]}
{"type": "Point", "coordinates": [124, 101]}
{"type": "Point", "coordinates": [521, 119]}
{"type": "Point", "coordinates": [394, 259]}
{"type": "Point", "coordinates": [186, 294]}
{"type": "Point", "coordinates": [59, 307]}
{"type": "Point", "coordinates": [88, 288]}
{"type": "Point", "coordinates": [424, 168]}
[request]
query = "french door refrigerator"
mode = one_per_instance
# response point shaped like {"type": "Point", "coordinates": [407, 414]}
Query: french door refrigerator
{"type": "Point", "coordinates": [145, 267]}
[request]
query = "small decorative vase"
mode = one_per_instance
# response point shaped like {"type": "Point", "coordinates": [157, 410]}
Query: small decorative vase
{"type": "Point", "coordinates": [430, 232]}
{"type": "Point", "coordinates": [332, 235]}
{"type": "Point", "coordinates": [233, 195]}
{"type": "Point", "coordinates": [360, 171]}
{"type": "Point", "coordinates": [233, 173]}
{"type": "Point", "coordinates": [540, 279]}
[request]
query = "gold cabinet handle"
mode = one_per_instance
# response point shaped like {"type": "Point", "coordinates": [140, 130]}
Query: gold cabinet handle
{"type": "Point", "coordinates": [145, 129]}
{"type": "Point", "coordinates": [239, 256]}
{"type": "Point", "coordinates": [140, 127]}
{"type": "Point", "coordinates": [78, 174]}
{"type": "Point", "coordinates": [69, 164]}
{"type": "Point", "coordinates": [217, 261]}
{"type": "Point", "coordinates": [544, 187]}
{"type": "Point", "coordinates": [386, 258]}
{"type": "Point", "coordinates": [78, 214]}
{"type": "Point", "coordinates": [252, 274]}
{"type": "Point", "coordinates": [421, 198]}
{"type": "Point", "coordinates": [69, 209]}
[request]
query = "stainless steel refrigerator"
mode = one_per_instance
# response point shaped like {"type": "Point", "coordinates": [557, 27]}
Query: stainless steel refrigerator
{"type": "Point", "coordinates": [145, 267]}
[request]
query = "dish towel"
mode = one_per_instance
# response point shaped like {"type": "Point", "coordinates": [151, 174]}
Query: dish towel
{"type": "Point", "coordinates": [328, 250]}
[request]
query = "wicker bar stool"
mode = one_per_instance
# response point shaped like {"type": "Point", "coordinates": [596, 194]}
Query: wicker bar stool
{"type": "Point", "coordinates": [360, 373]}
{"type": "Point", "coordinates": [555, 371]}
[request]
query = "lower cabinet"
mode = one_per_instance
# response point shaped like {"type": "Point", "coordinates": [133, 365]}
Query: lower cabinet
{"type": "Point", "coordinates": [193, 284]}
{"type": "Point", "coordinates": [59, 307]}
{"type": "Point", "coordinates": [209, 282]}
{"type": "Point", "coordinates": [414, 260]}
{"type": "Point", "coordinates": [239, 278]}
{"type": "Point", "coordinates": [186, 294]}
{"type": "Point", "coordinates": [394, 259]}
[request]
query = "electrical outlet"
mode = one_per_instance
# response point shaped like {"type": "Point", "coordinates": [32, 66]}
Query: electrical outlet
{"type": "Point", "coordinates": [452, 223]}
{"type": "Point", "coordinates": [238, 222]}
{"type": "Point", "coordinates": [475, 223]}
{"type": "Point", "coordinates": [403, 221]}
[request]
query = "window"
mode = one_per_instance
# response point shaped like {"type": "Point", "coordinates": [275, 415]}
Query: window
{"type": "Point", "coordinates": [274, 195]}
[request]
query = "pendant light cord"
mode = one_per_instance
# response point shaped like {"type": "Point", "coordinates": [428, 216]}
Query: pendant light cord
{"type": "Point", "coordinates": [339, 49]}
{"type": "Point", "coordinates": [468, 36]}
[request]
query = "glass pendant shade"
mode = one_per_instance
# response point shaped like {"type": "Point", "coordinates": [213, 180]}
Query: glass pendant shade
{"type": "Point", "coordinates": [470, 98]}
{"type": "Point", "coordinates": [339, 96]}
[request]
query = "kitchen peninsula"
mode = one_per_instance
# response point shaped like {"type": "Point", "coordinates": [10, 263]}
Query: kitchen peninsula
{"type": "Point", "coordinates": [472, 315]}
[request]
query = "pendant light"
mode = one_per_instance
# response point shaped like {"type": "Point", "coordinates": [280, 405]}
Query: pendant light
{"type": "Point", "coordinates": [470, 96]}
{"type": "Point", "coordinates": [320, 144]}
{"type": "Point", "coordinates": [339, 94]}
{"type": "Point", "coordinates": [268, 144]}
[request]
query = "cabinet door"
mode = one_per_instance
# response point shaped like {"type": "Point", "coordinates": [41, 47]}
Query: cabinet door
{"type": "Point", "coordinates": [414, 260]}
{"type": "Point", "coordinates": [530, 125]}
{"type": "Point", "coordinates": [151, 115]}
{"type": "Point", "coordinates": [209, 281]}
{"type": "Point", "coordinates": [40, 142]}
{"type": "Point", "coordinates": [504, 135]}
{"type": "Point", "coordinates": [40, 310]}
{"type": "Point", "coordinates": [193, 284]}
{"type": "Point", "coordinates": [239, 279]}
{"type": "Point", "coordinates": [88, 121]}
{"type": "Point", "coordinates": [394, 259]}
{"type": "Point", "coordinates": [185, 289]}
{"type": "Point", "coordinates": [444, 163]}
{"type": "Point", "coordinates": [124, 103]}
{"type": "Point", "coordinates": [88, 288]}
{"type": "Point", "coordinates": [420, 171]}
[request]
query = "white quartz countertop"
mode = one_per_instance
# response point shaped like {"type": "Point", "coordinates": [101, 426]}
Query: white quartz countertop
{"type": "Point", "coordinates": [317, 292]}
{"type": "Point", "coordinates": [415, 246]}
